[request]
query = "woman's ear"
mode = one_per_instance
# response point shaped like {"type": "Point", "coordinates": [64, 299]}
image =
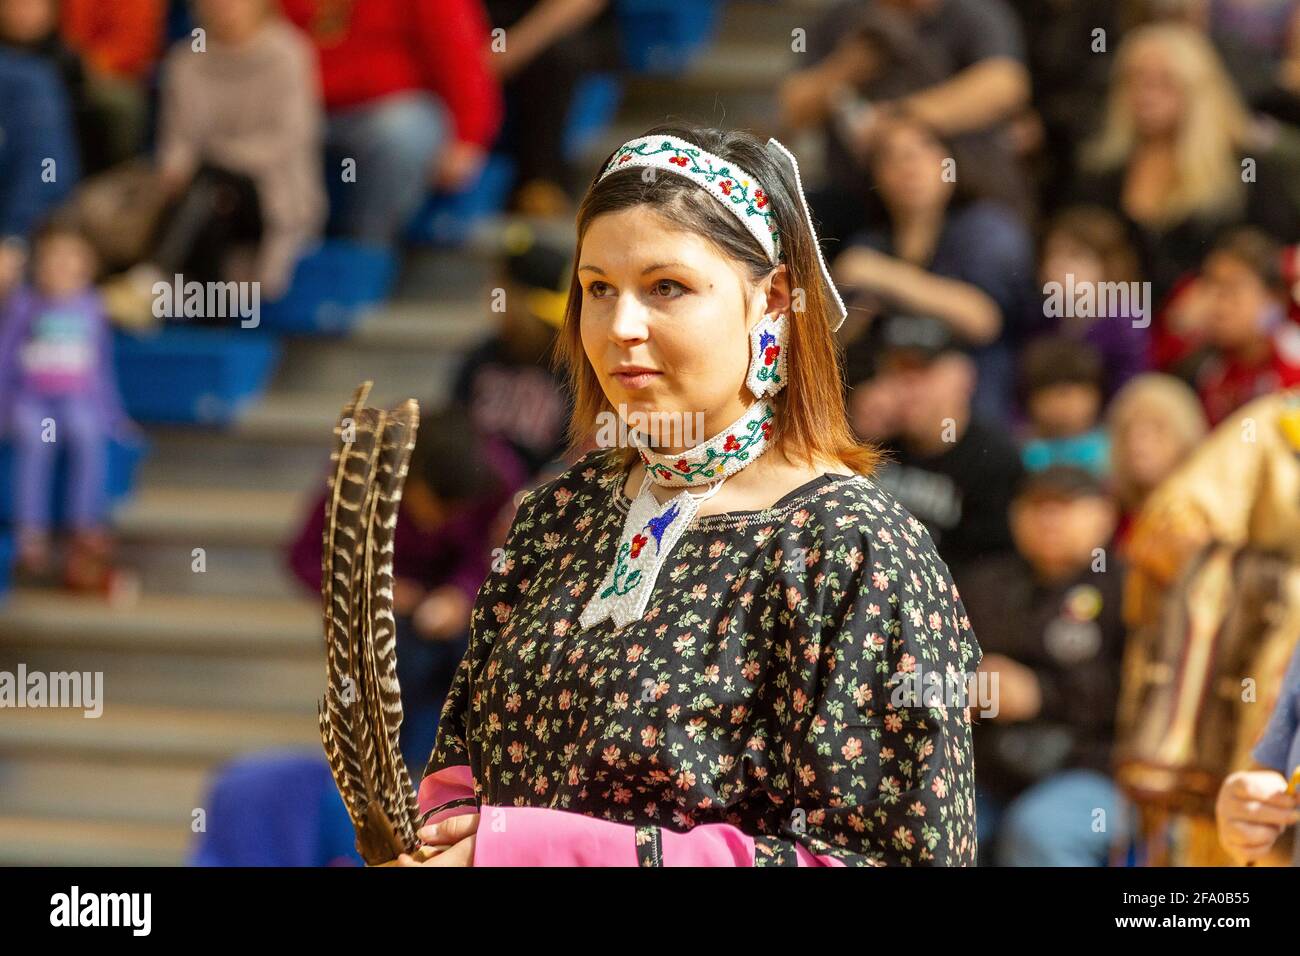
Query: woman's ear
{"type": "Point", "coordinates": [776, 287]}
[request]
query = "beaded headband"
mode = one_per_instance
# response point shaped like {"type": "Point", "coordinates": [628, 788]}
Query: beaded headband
{"type": "Point", "coordinates": [732, 186]}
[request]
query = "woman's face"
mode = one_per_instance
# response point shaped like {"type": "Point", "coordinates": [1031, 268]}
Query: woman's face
{"type": "Point", "coordinates": [669, 303]}
{"type": "Point", "coordinates": [1154, 93]}
{"type": "Point", "coordinates": [232, 21]}
{"type": "Point", "coordinates": [908, 166]}
{"type": "Point", "coordinates": [1150, 446]}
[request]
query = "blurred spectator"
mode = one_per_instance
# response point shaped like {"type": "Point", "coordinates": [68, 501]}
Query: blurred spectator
{"type": "Point", "coordinates": [1068, 43]}
{"type": "Point", "coordinates": [1212, 610]}
{"type": "Point", "coordinates": [958, 65]}
{"type": "Point", "coordinates": [412, 103]}
{"type": "Point", "coordinates": [949, 468]}
{"type": "Point", "coordinates": [1086, 251]}
{"type": "Point", "coordinates": [38, 155]}
{"type": "Point", "coordinates": [110, 115]}
{"type": "Point", "coordinates": [57, 391]}
{"type": "Point", "coordinates": [507, 382]}
{"type": "Point", "coordinates": [239, 154]}
{"type": "Point", "coordinates": [121, 39]}
{"type": "Point", "coordinates": [1049, 622]}
{"type": "Point", "coordinates": [1259, 41]}
{"type": "Point", "coordinates": [1155, 422]}
{"type": "Point", "coordinates": [1179, 157]}
{"type": "Point", "coordinates": [457, 484]}
{"type": "Point", "coordinates": [1251, 348]}
{"type": "Point", "coordinates": [943, 252]}
{"type": "Point", "coordinates": [548, 47]}
{"type": "Point", "coordinates": [1061, 381]}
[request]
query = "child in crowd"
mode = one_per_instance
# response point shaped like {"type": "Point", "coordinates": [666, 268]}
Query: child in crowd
{"type": "Point", "coordinates": [948, 466]}
{"type": "Point", "coordinates": [1250, 349]}
{"type": "Point", "coordinates": [447, 527]}
{"type": "Point", "coordinates": [1049, 622]}
{"type": "Point", "coordinates": [1062, 383]}
{"type": "Point", "coordinates": [57, 391]}
{"type": "Point", "coordinates": [239, 156]}
{"type": "Point", "coordinates": [1256, 806]}
{"type": "Point", "coordinates": [1086, 251]}
{"type": "Point", "coordinates": [1154, 422]}
{"type": "Point", "coordinates": [508, 382]}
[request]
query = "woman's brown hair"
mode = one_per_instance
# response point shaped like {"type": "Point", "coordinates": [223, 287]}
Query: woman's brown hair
{"type": "Point", "coordinates": [811, 420]}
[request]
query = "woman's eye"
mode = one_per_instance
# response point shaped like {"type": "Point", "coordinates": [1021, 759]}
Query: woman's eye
{"type": "Point", "coordinates": [596, 289]}
{"type": "Point", "coordinates": [667, 287]}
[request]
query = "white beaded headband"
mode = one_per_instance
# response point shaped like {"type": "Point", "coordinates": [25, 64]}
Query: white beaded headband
{"type": "Point", "coordinates": [736, 189]}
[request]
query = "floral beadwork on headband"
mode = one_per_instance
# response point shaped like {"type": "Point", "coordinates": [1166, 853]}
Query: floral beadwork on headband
{"type": "Point", "coordinates": [734, 187]}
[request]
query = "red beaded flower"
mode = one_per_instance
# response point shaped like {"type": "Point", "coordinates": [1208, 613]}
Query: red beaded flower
{"type": "Point", "coordinates": [731, 443]}
{"type": "Point", "coordinates": [638, 542]}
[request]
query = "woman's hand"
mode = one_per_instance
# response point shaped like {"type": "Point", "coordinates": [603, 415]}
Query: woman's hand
{"type": "Point", "coordinates": [1018, 694]}
{"type": "Point", "coordinates": [1252, 811]}
{"type": "Point", "coordinates": [448, 843]}
{"type": "Point", "coordinates": [443, 615]}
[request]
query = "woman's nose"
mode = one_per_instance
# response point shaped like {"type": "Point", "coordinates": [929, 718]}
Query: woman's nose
{"type": "Point", "coordinates": [631, 321]}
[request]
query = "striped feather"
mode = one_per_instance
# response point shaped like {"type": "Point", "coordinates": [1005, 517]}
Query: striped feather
{"type": "Point", "coordinates": [361, 714]}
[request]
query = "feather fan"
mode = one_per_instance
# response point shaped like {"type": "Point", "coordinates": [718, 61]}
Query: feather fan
{"type": "Point", "coordinates": [361, 712]}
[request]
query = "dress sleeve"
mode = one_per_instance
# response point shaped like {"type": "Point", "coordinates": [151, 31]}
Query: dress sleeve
{"type": "Point", "coordinates": [872, 702]}
{"type": "Point", "coordinates": [448, 786]}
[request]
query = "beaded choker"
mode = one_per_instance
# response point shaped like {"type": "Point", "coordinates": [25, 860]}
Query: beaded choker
{"type": "Point", "coordinates": [651, 529]}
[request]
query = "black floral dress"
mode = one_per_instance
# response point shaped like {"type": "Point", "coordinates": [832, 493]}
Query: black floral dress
{"type": "Point", "coordinates": [755, 691]}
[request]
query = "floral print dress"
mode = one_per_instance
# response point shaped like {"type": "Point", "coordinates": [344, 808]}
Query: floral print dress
{"type": "Point", "coordinates": [749, 717]}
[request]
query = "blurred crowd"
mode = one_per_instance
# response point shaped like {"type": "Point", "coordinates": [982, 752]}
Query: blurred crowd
{"type": "Point", "coordinates": [1067, 231]}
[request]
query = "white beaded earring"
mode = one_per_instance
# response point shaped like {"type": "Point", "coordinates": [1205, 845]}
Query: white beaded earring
{"type": "Point", "coordinates": [768, 349]}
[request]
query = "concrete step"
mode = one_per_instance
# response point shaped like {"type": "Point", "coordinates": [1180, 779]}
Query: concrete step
{"type": "Point", "coordinates": [202, 517]}
{"type": "Point", "coordinates": [130, 677]}
{"type": "Point", "coordinates": [233, 571]}
{"type": "Point", "coordinates": [41, 841]}
{"type": "Point", "coordinates": [75, 789]}
{"type": "Point", "coordinates": [159, 623]}
{"type": "Point", "coordinates": [180, 736]}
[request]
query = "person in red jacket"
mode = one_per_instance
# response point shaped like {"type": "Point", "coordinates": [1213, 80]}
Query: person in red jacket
{"type": "Point", "coordinates": [411, 103]}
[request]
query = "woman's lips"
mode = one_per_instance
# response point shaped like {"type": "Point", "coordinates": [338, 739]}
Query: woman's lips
{"type": "Point", "coordinates": [636, 380]}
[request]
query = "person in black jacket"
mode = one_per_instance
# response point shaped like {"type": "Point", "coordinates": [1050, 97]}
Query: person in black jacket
{"type": "Point", "coordinates": [1049, 623]}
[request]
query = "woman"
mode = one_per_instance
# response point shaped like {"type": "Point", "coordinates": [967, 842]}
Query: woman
{"type": "Point", "coordinates": [1180, 157]}
{"type": "Point", "coordinates": [1155, 423]}
{"type": "Point", "coordinates": [239, 144]}
{"type": "Point", "coordinates": [656, 678]}
{"type": "Point", "coordinates": [945, 252]}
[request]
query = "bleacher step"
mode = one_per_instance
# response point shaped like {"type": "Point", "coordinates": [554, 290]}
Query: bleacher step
{"type": "Point", "coordinates": [185, 735]}
{"type": "Point", "coordinates": [162, 623]}
{"type": "Point", "coordinates": [38, 841]}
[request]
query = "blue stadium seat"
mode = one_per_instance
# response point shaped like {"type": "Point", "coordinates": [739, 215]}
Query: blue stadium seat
{"type": "Point", "coordinates": [447, 218]}
{"type": "Point", "coordinates": [123, 460]}
{"type": "Point", "coordinates": [331, 286]}
{"type": "Point", "coordinates": [6, 560]}
{"type": "Point", "coordinates": [595, 104]}
{"type": "Point", "coordinates": [663, 36]}
{"type": "Point", "coordinates": [193, 375]}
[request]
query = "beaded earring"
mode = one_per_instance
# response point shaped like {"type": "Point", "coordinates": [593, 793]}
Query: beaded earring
{"type": "Point", "coordinates": [769, 341]}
